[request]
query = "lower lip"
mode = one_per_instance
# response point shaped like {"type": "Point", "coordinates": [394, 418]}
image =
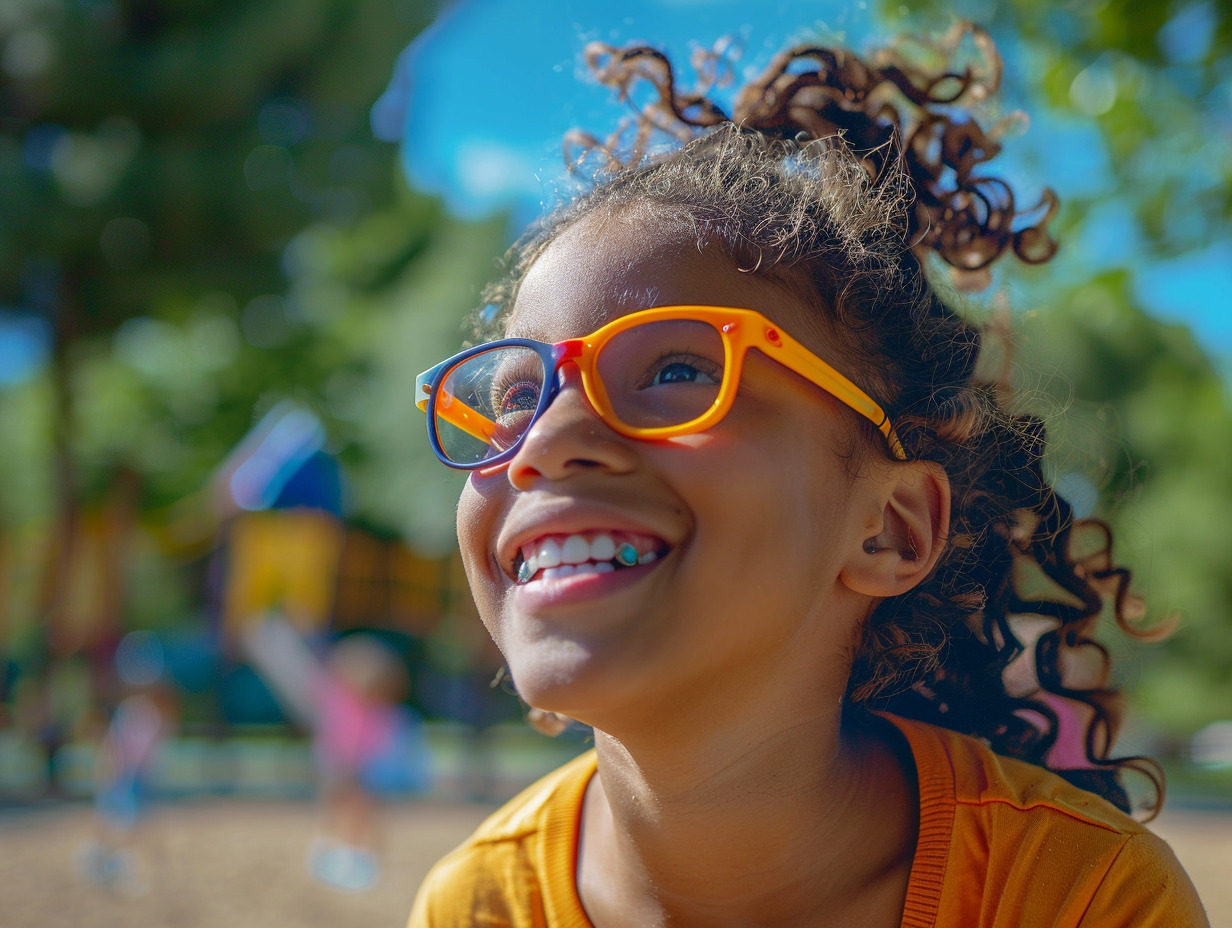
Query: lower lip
{"type": "Point", "coordinates": [579, 588]}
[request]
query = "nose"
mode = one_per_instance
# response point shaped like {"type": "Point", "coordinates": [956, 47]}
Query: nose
{"type": "Point", "coordinates": [569, 438]}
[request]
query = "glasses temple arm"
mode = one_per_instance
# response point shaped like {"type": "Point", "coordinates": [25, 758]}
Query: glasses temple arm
{"type": "Point", "coordinates": [807, 365]}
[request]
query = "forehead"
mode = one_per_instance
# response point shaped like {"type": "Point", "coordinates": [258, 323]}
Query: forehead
{"type": "Point", "coordinates": [601, 268]}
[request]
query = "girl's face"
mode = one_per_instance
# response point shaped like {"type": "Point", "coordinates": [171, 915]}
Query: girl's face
{"type": "Point", "coordinates": [746, 530]}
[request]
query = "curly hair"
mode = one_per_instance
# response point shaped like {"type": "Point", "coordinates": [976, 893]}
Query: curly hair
{"type": "Point", "coordinates": [842, 176]}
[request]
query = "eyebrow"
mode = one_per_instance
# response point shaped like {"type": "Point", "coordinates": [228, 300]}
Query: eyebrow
{"type": "Point", "coordinates": [631, 299]}
{"type": "Point", "coordinates": [640, 297]}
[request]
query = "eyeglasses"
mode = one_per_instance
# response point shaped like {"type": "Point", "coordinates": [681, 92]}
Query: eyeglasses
{"type": "Point", "coordinates": [653, 374]}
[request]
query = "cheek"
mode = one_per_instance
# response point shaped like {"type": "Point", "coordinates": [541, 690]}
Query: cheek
{"type": "Point", "coordinates": [470, 521]}
{"type": "Point", "coordinates": [776, 492]}
{"type": "Point", "coordinates": [478, 514]}
{"type": "Point", "coordinates": [754, 498]}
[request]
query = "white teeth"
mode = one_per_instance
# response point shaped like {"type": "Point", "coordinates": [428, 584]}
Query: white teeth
{"type": "Point", "coordinates": [575, 570]}
{"type": "Point", "coordinates": [575, 550]}
{"type": "Point", "coordinates": [575, 553]}
{"type": "Point", "coordinates": [548, 554]}
{"type": "Point", "coordinates": [602, 548]}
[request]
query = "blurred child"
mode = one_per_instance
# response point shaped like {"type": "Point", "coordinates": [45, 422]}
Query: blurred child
{"type": "Point", "coordinates": [125, 766]}
{"type": "Point", "coordinates": [367, 745]}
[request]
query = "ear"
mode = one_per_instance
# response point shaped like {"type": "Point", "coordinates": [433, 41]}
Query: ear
{"type": "Point", "coordinates": [904, 539]}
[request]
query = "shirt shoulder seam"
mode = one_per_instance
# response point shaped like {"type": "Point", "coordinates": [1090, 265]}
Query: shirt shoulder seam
{"type": "Point", "coordinates": [1047, 806]}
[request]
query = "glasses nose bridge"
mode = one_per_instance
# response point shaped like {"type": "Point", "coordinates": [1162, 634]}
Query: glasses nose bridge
{"type": "Point", "coordinates": [561, 353]}
{"type": "Point", "coordinates": [558, 355]}
{"type": "Point", "coordinates": [569, 350]}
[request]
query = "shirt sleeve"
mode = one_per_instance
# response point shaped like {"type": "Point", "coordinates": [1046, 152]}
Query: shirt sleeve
{"type": "Point", "coordinates": [1145, 887]}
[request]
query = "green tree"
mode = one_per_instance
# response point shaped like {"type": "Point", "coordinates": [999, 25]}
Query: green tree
{"type": "Point", "coordinates": [155, 160]}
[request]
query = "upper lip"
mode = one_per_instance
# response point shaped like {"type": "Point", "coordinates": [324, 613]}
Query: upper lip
{"type": "Point", "coordinates": [567, 517]}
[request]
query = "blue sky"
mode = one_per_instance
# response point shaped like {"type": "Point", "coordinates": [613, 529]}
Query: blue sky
{"type": "Point", "coordinates": [481, 100]}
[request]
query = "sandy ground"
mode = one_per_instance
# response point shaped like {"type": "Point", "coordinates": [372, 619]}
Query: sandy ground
{"type": "Point", "coordinates": [240, 863]}
{"type": "Point", "coordinates": [217, 864]}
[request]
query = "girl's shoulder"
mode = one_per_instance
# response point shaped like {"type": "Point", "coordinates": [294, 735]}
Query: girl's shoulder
{"type": "Point", "coordinates": [996, 828]}
{"type": "Point", "coordinates": [957, 769]}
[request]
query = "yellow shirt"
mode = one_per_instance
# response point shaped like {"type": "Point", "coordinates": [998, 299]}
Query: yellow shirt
{"type": "Point", "coordinates": [1002, 844]}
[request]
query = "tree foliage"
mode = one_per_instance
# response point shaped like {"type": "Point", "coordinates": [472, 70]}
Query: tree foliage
{"type": "Point", "coordinates": [158, 161]}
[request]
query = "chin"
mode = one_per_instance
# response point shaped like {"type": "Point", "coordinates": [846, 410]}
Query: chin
{"type": "Point", "coordinates": [560, 676]}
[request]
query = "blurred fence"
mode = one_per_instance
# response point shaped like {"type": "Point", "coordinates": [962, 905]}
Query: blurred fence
{"type": "Point", "coordinates": [466, 764]}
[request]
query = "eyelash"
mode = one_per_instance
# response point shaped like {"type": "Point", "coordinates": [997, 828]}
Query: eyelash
{"type": "Point", "coordinates": [704, 365]}
{"type": "Point", "coordinates": [511, 388]}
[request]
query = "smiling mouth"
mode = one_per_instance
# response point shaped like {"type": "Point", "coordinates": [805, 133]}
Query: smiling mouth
{"type": "Point", "coordinates": [554, 557]}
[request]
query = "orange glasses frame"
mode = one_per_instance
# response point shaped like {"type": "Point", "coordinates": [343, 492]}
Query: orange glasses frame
{"type": "Point", "coordinates": [740, 329]}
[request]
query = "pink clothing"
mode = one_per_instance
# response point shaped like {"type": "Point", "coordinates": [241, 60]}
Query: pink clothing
{"type": "Point", "coordinates": [353, 729]}
{"type": "Point", "coordinates": [134, 731]}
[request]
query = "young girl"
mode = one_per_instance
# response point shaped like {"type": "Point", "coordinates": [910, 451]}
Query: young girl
{"type": "Point", "coordinates": [741, 501]}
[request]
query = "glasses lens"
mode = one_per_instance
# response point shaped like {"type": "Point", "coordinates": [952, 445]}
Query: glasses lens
{"type": "Point", "coordinates": [662, 373]}
{"type": "Point", "coordinates": [486, 402]}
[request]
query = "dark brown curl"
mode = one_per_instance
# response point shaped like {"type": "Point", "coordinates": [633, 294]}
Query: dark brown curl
{"type": "Point", "coordinates": [885, 109]}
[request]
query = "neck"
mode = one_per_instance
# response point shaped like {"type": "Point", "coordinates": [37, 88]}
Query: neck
{"type": "Point", "coordinates": [800, 819]}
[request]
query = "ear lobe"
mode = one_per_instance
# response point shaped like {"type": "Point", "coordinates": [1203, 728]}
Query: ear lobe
{"type": "Point", "coordinates": [915, 520]}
